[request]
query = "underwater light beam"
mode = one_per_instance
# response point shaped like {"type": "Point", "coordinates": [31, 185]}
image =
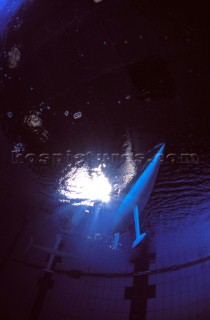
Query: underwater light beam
{"type": "Point", "coordinates": [8, 8]}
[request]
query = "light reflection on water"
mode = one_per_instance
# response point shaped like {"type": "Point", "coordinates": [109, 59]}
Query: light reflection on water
{"type": "Point", "coordinates": [91, 186]}
{"type": "Point", "coordinates": [177, 214]}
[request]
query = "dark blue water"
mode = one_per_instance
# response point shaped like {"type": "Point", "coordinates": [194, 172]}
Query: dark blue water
{"type": "Point", "coordinates": [130, 91]}
{"type": "Point", "coordinates": [112, 78]}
